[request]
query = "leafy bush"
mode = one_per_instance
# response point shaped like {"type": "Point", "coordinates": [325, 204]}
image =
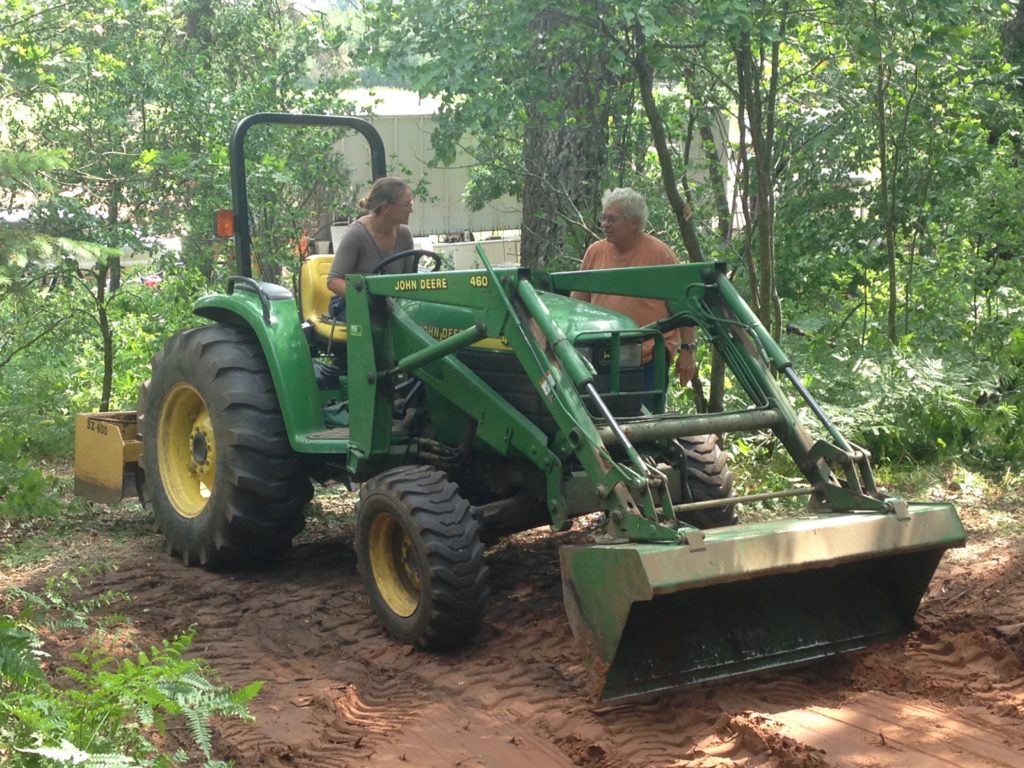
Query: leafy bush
{"type": "Point", "coordinates": [102, 711]}
{"type": "Point", "coordinates": [997, 432]}
{"type": "Point", "coordinates": [25, 491]}
{"type": "Point", "coordinates": [142, 319]}
{"type": "Point", "coordinates": [47, 378]}
{"type": "Point", "coordinates": [907, 406]}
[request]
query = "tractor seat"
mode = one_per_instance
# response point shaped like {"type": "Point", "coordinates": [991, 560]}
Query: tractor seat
{"type": "Point", "coordinates": [315, 298]}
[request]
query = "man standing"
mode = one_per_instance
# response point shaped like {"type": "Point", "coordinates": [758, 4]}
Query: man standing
{"type": "Point", "coordinates": [625, 244]}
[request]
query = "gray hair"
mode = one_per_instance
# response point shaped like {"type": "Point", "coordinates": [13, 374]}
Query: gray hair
{"type": "Point", "coordinates": [629, 201]}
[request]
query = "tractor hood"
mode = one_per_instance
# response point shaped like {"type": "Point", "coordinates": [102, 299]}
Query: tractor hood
{"type": "Point", "coordinates": [576, 318]}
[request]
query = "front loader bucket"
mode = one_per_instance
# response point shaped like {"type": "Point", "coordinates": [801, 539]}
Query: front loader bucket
{"type": "Point", "coordinates": [651, 617]}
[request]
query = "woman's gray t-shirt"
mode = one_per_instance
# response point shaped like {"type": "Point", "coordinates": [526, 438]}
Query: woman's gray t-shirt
{"type": "Point", "coordinates": [358, 253]}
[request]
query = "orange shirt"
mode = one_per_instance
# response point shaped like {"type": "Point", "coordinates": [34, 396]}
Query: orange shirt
{"type": "Point", "coordinates": [649, 251]}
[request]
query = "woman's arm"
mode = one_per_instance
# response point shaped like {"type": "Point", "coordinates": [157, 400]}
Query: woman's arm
{"type": "Point", "coordinates": [336, 285]}
{"type": "Point", "coordinates": [346, 259]}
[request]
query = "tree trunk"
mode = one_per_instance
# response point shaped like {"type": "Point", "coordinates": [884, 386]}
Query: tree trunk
{"type": "Point", "coordinates": [716, 396]}
{"type": "Point", "coordinates": [759, 107]}
{"type": "Point", "coordinates": [682, 210]}
{"type": "Point", "coordinates": [719, 182]}
{"type": "Point", "coordinates": [757, 89]}
{"type": "Point", "coordinates": [108, 282]}
{"type": "Point", "coordinates": [744, 188]}
{"type": "Point", "coordinates": [103, 275]}
{"type": "Point", "coordinates": [1012, 37]}
{"type": "Point", "coordinates": [564, 155]}
{"type": "Point", "coordinates": [885, 203]}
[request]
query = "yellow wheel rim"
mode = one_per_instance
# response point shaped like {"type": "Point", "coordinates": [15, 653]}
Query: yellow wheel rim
{"type": "Point", "coordinates": [393, 564]}
{"type": "Point", "coordinates": [187, 450]}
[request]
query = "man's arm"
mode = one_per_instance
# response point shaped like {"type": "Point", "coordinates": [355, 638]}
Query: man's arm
{"type": "Point", "coordinates": [588, 263]}
{"type": "Point", "coordinates": [686, 364]}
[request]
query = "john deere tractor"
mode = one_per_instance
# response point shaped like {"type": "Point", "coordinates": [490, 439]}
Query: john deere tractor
{"type": "Point", "coordinates": [474, 404]}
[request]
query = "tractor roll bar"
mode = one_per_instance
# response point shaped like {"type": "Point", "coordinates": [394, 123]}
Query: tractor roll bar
{"type": "Point", "coordinates": [236, 150]}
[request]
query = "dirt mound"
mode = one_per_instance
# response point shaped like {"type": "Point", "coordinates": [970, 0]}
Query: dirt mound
{"type": "Point", "coordinates": [338, 692]}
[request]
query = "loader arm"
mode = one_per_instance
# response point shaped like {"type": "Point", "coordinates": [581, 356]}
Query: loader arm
{"type": "Point", "coordinates": [505, 306]}
{"type": "Point", "coordinates": [701, 295]}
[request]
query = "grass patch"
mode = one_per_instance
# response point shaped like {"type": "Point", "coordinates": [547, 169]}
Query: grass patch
{"type": "Point", "coordinates": [75, 526]}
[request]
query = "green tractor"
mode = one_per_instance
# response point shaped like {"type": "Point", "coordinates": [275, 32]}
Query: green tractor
{"type": "Point", "coordinates": [475, 404]}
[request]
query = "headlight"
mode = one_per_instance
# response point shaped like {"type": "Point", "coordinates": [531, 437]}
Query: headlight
{"type": "Point", "coordinates": [630, 354]}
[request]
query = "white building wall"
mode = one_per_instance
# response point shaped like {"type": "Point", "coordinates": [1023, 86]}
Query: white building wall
{"type": "Point", "coordinates": [441, 210]}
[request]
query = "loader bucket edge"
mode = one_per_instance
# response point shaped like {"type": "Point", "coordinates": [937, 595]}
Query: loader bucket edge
{"type": "Point", "coordinates": [652, 617]}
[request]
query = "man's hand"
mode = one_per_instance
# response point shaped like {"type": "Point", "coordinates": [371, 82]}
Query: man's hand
{"type": "Point", "coordinates": [686, 366]}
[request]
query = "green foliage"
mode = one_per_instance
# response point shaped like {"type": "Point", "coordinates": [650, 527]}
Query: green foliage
{"type": "Point", "coordinates": [115, 125]}
{"type": "Point", "coordinates": [20, 650]}
{"type": "Point", "coordinates": [524, 91]}
{"type": "Point", "coordinates": [142, 318]}
{"type": "Point", "coordinates": [101, 710]}
{"type": "Point", "coordinates": [759, 467]}
{"type": "Point", "coordinates": [906, 406]}
{"type": "Point", "coordinates": [56, 608]}
{"type": "Point", "coordinates": [25, 491]}
{"type": "Point", "coordinates": [283, 193]}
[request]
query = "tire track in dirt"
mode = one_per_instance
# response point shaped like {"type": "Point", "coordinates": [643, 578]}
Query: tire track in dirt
{"type": "Point", "coordinates": [948, 694]}
{"type": "Point", "coordinates": [284, 625]}
{"type": "Point", "coordinates": [891, 731]}
{"type": "Point", "coordinates": [969, 648]}
{"type": "Point", "coordinates": [338, 692]}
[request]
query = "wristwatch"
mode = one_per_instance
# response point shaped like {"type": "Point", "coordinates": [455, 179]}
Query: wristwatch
{"type": "Point", "coordinates": [688, 347]}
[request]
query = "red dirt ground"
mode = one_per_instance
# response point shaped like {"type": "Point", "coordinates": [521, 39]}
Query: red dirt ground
{"type": "Point", "coordinates": [339, 693]}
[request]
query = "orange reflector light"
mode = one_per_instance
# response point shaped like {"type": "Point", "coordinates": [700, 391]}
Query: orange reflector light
{"type": "Point", "coordinates": [224, 222]}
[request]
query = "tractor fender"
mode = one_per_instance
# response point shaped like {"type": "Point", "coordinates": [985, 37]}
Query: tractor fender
{"type": "Point", "coordinates": [269, 312]}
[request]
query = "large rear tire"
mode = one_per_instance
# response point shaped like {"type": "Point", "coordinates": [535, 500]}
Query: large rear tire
{"type": "Point", "coordinates": [226, 487]}
{"type": "Point", "coordinates": [421, 557]}
{"type": "Point", "coordinates": [705, 469]}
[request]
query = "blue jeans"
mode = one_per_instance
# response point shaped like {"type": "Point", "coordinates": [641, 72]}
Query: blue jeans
{"type": "Point", "coordinates": [649, 375]}
{"type": "Point", "coordinates": [337, 309]}
{"type": "Point", "coordinates": [648, 396]}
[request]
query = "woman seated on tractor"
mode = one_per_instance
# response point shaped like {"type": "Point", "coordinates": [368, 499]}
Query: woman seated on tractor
{"type": "Point", "coordinates": [380, 233]}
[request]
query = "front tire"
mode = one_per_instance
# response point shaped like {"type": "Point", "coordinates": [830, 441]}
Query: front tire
{"type": "Point", "coordinates": [421, 557]}
{"type": "Point", "coordinates": [704, 468]}
{"type": "Point", "coordinates": [226, 487]}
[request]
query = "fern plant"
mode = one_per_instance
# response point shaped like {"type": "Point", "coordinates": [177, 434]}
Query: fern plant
{"type": "Point", "coordinates": [55, 609]}
{"type": "Point", "coordinates": [20, 653]}
{"type": "Point", "coordinates": [116, 703]}
{"type": "Point", "coordinates": [101, 710]}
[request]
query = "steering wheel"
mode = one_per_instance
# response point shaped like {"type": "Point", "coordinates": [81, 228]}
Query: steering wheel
{"type": "Point", "coordinates": [406, 254]}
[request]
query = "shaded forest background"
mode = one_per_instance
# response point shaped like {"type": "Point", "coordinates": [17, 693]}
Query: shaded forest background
{"type": "Point", "coordinates": [857, 165]}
